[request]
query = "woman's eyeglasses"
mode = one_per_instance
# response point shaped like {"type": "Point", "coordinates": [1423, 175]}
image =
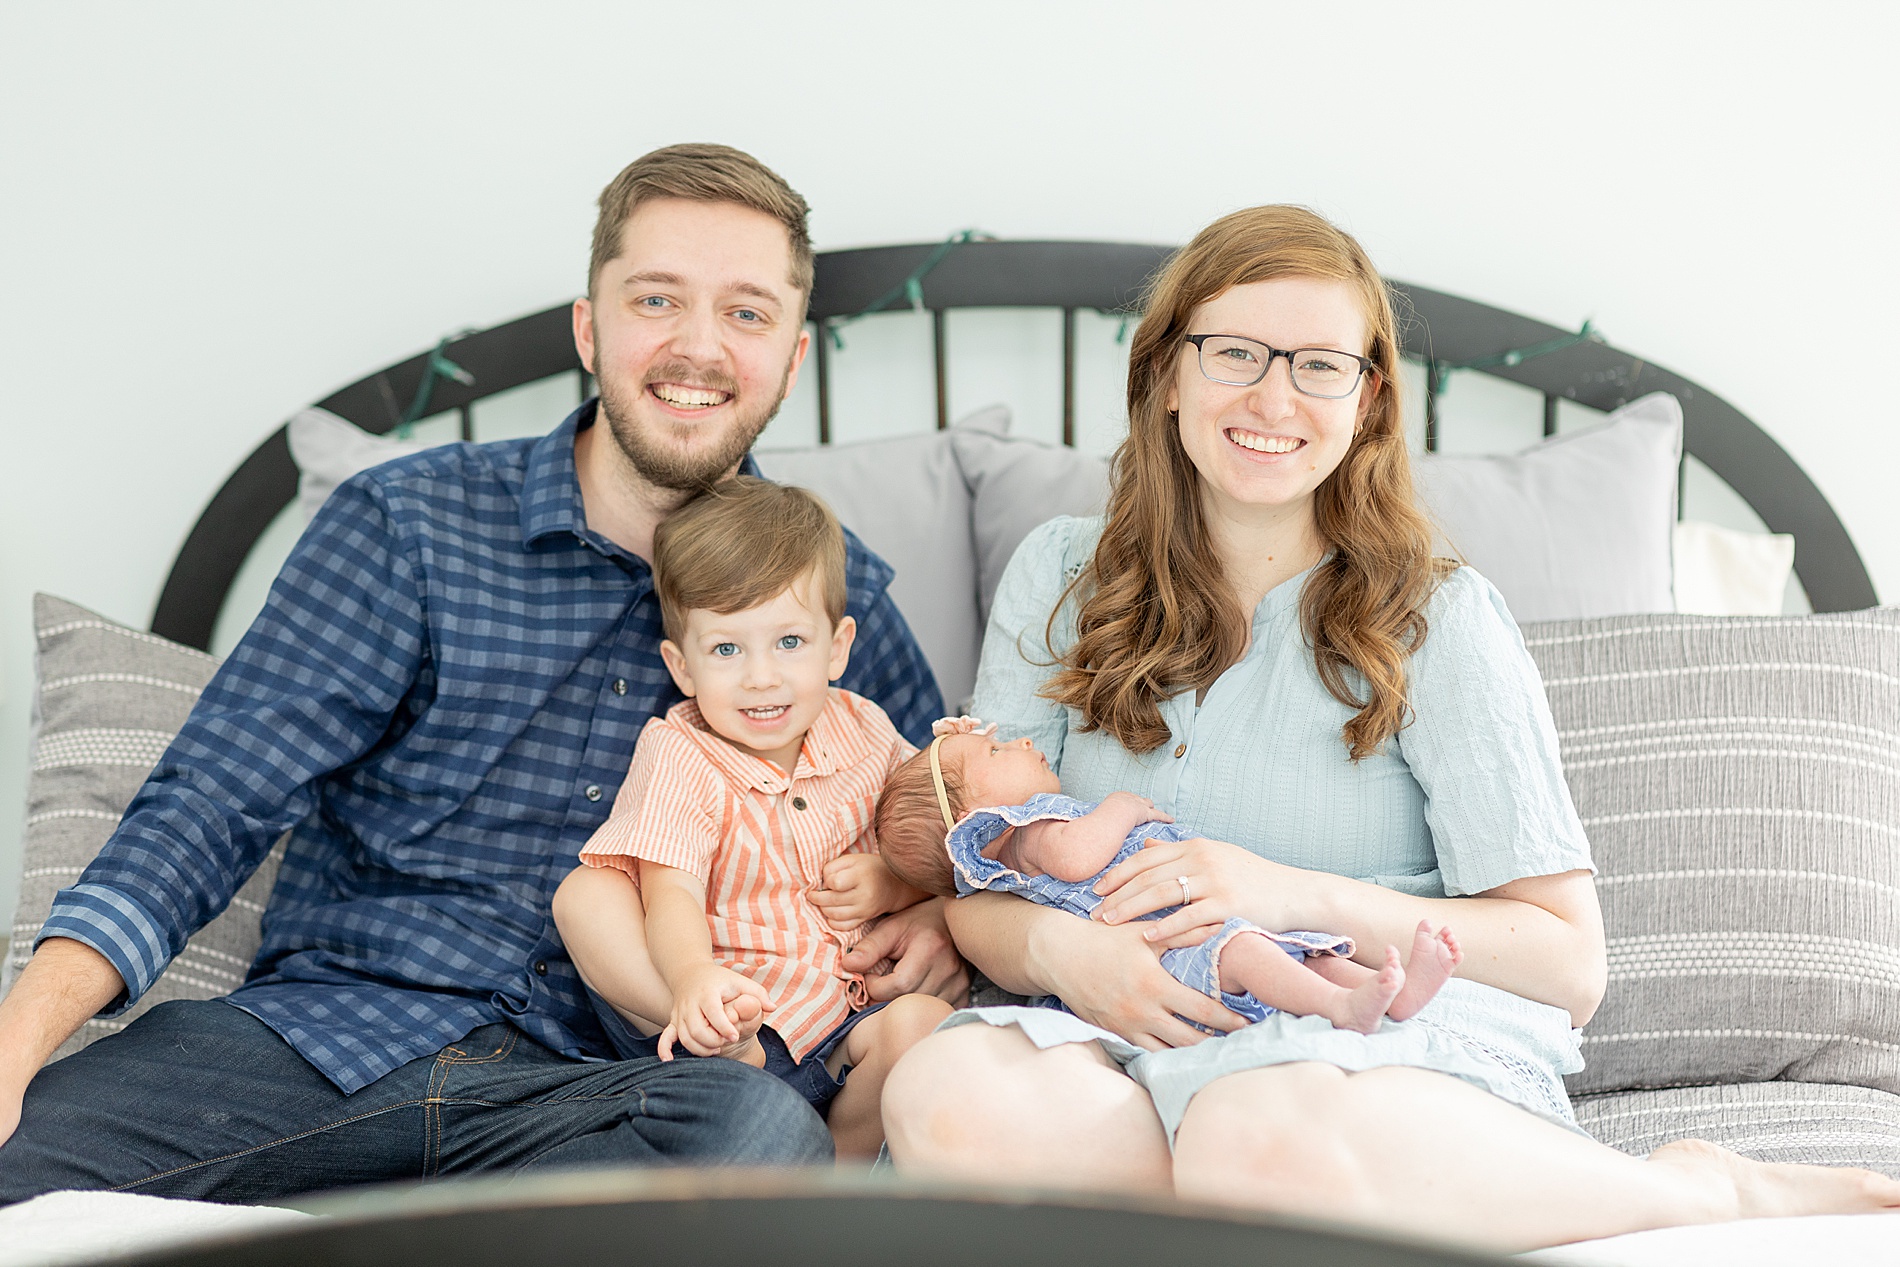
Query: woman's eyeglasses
{"type": "Point", "coordinates": [1238, 361]}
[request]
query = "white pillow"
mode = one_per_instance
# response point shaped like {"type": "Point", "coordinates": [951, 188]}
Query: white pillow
{"type": "Point", "coordinates": [328, 450]}
{"type": "Point", "coordinates": [1722, 572]}
{"type": "Point", "coordinates": [1577, 526]}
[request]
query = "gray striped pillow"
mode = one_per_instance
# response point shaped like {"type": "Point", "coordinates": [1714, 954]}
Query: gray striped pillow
{"type": "Point", "coordinates": [109, 701]}
{"type": "Point", "coordinates": [1739, 779]}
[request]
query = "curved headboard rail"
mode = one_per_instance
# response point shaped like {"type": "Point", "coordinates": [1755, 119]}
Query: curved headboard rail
{"type": "Point", "coordinates": [1070, 276]}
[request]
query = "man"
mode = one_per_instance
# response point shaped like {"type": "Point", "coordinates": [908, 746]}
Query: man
{"type": "Point", "coordinates": [441, 697]}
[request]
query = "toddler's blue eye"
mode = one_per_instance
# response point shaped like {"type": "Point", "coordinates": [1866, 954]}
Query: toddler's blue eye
{"type": "Point", "coordinates": [790, 642]}
{"type": "Point", "coordinates": [726, 649]}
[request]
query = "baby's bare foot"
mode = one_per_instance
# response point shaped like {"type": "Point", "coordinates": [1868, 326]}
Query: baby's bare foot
{"type": "Point", "coordinates": [1435, 956]}
{"type": "Point", "coordinates": [1742, 1188]}
{"type": "Point", "coordinates": [1363, 1007]}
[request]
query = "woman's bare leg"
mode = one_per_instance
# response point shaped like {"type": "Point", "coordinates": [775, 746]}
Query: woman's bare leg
{"type": "Point", "coordinates": [983, 1103]}
{"type": "Point", "coordinates": [1416, 1153]}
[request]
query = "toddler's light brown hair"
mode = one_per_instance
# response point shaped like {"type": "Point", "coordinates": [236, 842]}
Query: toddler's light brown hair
{"type": "Point", "coordinates": [744, 542]}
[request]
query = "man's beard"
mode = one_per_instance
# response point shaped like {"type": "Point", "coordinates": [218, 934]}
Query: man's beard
{"type": "Point", "coordinates": [663, 464]}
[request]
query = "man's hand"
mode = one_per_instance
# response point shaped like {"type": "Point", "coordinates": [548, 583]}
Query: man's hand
{"type": "Point", "coordinates": [714, 1009]}
{"type": "Point", "coordinates": [62, 985]}
{"type": "Point", "coordinates": [859, 887]}
{"type": "Point", "coordinates": [926, 960]}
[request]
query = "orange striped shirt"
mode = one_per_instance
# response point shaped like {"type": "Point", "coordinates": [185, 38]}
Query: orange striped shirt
{"type": "Point", "coordinates": [759, 842]}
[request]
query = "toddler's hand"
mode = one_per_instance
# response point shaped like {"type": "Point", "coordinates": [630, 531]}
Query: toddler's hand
{"type": "Point", "coordinates": [714, 1009]}
{"type": "Point", "coordinates": [1139, 808]}
{"type": "Point", "coordinates": [858, 887]}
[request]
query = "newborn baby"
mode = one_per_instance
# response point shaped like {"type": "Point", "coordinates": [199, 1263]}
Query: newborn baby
{"type": "Point", "coordinates": [972, 812]}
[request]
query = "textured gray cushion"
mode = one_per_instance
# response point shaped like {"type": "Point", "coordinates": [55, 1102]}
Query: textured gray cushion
{"type": "Point", "coordinates": [1739, 779]}
{"type": "Point", "coordinates": [109, 701]}
{"type": "Point", "coordinates": [1575, 526]}
{"type": "Point", "coordinates": [1015, 485]}
{"type": "Point", "coordinates": [908, 501]}
{"type": "Point", "coordinates": [1816, 1123]}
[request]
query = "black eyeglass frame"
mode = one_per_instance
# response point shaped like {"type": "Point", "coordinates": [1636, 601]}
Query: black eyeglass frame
{"type": "Point", "coordinates": [1199, 340]}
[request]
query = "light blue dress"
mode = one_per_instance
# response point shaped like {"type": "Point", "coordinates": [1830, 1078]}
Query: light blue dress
{"type": "Point", "coordinates": [1469, 796]}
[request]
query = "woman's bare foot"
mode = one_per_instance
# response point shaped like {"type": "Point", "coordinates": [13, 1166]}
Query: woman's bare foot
{"type": "Point", "coordinates": [1748, 1189]}
{"type": "Point", "coordinates": [1363, 1007]}
{"type": "Point", "coordinates": [1435, 956]}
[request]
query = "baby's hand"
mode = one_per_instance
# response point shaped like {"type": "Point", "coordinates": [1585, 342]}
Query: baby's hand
{"type": "Point", "coordinates": [858, 887]}
{"type": "Point", "coordinates": [1138, 808]}
{"type": "Point", "coordinates": [708, 1017]}
{"type": "Point", "coordinates": [963, 725]}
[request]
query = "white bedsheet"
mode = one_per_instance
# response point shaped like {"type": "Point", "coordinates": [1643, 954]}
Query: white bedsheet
{"type": "Point", "coordinates": [78, 1227]}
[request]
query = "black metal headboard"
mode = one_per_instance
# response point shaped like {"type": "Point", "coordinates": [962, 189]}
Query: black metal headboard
{"type": "Point", "coordinates": [1070, 276]}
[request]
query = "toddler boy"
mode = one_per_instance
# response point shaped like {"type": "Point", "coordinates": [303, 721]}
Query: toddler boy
{"type": "Point", "coordinates": [745, 822]}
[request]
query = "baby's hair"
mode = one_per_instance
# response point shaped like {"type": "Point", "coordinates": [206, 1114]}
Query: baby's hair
{"type": "Point", "coordinates": [741, 543]}
{"type": "Point", "coordinates": [909, 825]}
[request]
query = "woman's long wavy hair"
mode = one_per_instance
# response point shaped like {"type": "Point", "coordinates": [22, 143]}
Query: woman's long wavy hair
{"type": "Point", "coordinates": [1156, 613]}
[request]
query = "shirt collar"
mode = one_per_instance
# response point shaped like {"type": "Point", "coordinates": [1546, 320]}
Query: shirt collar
{"type": "Point", "coordinates": [551, 489]}
{"type": "Point", "coordinates": [832, 744]}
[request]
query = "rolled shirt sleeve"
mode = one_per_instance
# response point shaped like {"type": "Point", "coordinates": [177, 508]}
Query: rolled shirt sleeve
{"type": "Point", "coordinates": [313, 685]}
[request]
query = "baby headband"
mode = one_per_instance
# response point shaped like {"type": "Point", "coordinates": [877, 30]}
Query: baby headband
{"type": "Point", "coordinates": [936, 777]}
{"type": "Point", "coordinates": [943, 729]}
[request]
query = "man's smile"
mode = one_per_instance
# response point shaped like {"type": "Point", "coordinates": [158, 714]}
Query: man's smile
{"type": "Point", "coordinates": [682, 396]}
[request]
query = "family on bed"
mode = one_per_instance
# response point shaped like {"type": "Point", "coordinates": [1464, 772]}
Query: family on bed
{"type": "Point", "coordinates": [1345, 983]}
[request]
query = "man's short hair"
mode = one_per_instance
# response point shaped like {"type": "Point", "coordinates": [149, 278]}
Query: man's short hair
{"type": "Point", "coordinates": [701, 173]}
{"type": "Point", "coordinates": [909, 825]}
{"type": "Point", "coordinates": [742, 543]}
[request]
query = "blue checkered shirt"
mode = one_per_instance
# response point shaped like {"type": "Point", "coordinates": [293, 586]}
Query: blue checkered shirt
{"type": "Point", "coordinates": [438, 701]}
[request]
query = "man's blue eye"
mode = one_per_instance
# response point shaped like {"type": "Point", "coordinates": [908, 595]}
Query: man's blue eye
{"type": "Point", "coordinates": [726, 649]}
{"type": "Point", "coordinates": [654, 301]}
{"type": "Point", "coordinates": [748, 315]}
{"type": "Point", "coordinates": [790, 642]}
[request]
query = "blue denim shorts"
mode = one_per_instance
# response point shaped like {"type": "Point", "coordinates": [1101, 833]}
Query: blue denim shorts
{"type": "Point", "coordinates": [808, 1077]}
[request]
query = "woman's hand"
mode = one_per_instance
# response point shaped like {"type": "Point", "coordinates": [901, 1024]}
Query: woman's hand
{"type": "Point", "coordinates": [1223, 882]}
{"type": "Point", "coordinates": [1113, 978]}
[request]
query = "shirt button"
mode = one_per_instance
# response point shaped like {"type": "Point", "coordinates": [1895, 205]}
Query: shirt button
{"type": "Point", "coordinates": [1180, 750]}
{"type": "Point", "coordinates": [620, 686]}
{"type": "Point", "coordinates": [798, 802]}
{"type": "Point", "coordinates": [593, 792]}
{"type": "Point", "coordinates": [540, 967]}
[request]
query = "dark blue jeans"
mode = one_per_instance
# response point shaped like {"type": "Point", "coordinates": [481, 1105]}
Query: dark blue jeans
{"type": "Point", "coordinates": [199, 1099]}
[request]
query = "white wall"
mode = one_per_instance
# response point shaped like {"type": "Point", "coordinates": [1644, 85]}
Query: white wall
{"type": "Point", "coordinates": [214, 213]}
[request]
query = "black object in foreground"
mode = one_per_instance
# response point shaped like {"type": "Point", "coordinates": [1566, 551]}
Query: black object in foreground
{"type": "Point", "coordinates": [786, 1219]}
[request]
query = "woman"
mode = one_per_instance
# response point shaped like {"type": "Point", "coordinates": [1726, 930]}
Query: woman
{"type": "Point", "coordinates": [1258, 637]}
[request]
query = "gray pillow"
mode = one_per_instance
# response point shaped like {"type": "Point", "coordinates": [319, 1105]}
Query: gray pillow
{"type": "Point", "coordinates": [108, 701]}
{"type": "Point", "coordinates": [1576, 526]}
{"type": "Point", "coordinates": [328, 450]}
{"type": "Point", "coordinates": [907, 500]}
{"type": "Point", "coordinates": [1739, 779]}
{"type": "Point", "coordinates": [1015, 485]}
